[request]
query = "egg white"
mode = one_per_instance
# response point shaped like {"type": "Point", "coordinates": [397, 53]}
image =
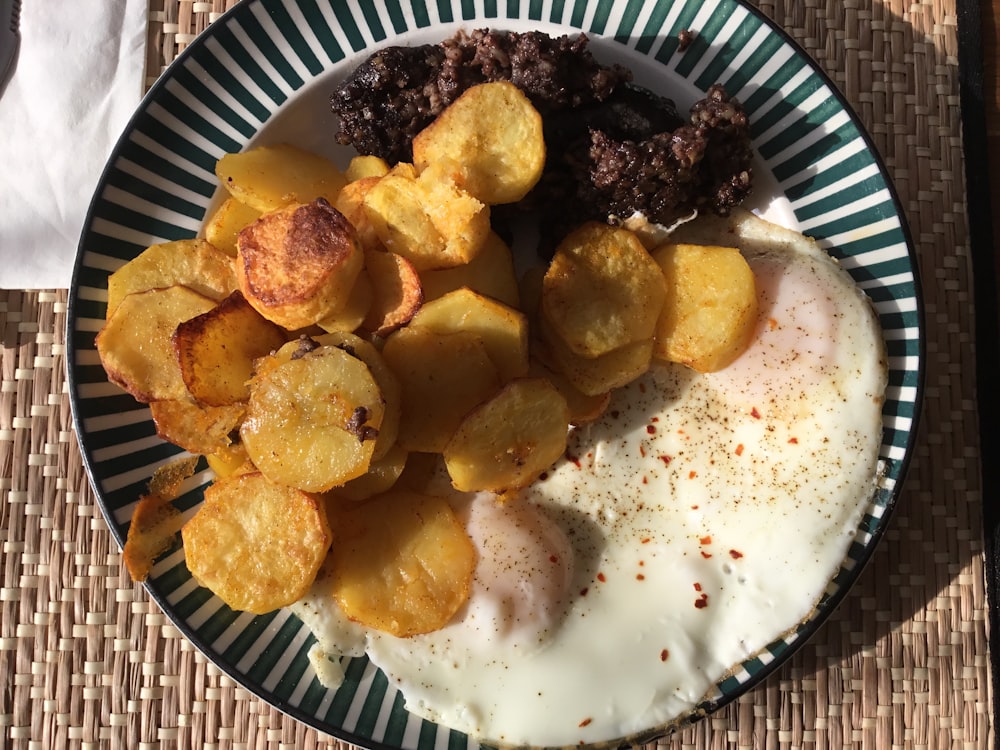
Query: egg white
{"type": "Point", "coordinates": [701, 518]}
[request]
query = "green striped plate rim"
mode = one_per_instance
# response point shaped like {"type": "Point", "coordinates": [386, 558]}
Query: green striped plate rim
{"type": "Point", "coordinates": [266, 68]}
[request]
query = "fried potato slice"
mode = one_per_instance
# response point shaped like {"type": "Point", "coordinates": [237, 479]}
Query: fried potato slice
{"type": "Point", "coordinates": [257, 545]}
{"type": "Point", "coordinates": [230, 461]}
{"type": "Point", "coordinates": [363, 166]}
{"type": "Point", "coordinates": [403, 563]}
{"type": "Point", "coordinates": [267, 178]}
{"type": "Point", "coordinates": [196, 428]}
{"type": "Point", "coordinates": [155, 521]}
{"type": "Point", "coordinates": [382, 474]}
{"type": "Point", "coordinates": [594, 376]}
{"type": "Point", "coordinates": [495, 133]}
{"type": "Point", "coordinates": [385, 378]}
{"type": "Point", "coordinates": [428, 219]}
{"type": "Point", "coordinates": [583, 408]}
{"type": "Point", "coordinates": [216, 350]}
{"type": "Point", "coordinates": [710, 312]}
{"type": "Point", "coordinates": [602, 290]}
{"type": "Point", "coordinates": [353, 313]}
{"type": "Point", "coordinates": [443, 376]}
{"type": "Point", "coordinates": [192, 263]}
{"type": "Point", "coordinates": [508, 441]}
{"type": "Point", "coordinates": [226, 223]}
{"type": "Point", "coordinates": [313, 418]}
{"type": "Point", "coordinates": [490, 272]}
{"type": "Point", "coordinates": [298, 265]}
{"type": "Point", "coordinates": [136, 347]}
{"type": "Point", "coordinates": [351, 203]}
{"type": "Point", "coordinates": [398, 292]}
{"type": "Point", "coordinates": [503, 330]}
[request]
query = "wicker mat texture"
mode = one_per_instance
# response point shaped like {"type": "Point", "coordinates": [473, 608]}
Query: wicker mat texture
{"type": "Point", "coordinates": [87, 660]}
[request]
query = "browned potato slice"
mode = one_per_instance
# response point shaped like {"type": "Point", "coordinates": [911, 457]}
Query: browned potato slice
{"type": "Point", "coordinates": [155, 521]}
{"type": "Point", "coordinates": [495, 133]}
{"type": "Point", "coordinates": [403, 563]}
{"type": "Point", "coordinates": [503, 330]}
{"type": "Point", "coordinates": [353, 313]}
{"type": "Point", "coordinates": [192, 263]}
{"type": "Point", "coordinates": [230, 461]}
{"type": "Point", "coordinates": [398, 292]}
{"type": "Point", "coordinates": [351, 203]}
{"type": "Point", "coordinates": [269, 177]}
{"type": "Point", "coordinates": [312, 420]}
{"type": "Point", "coordinates": [602, 290]}
{"type": "Point", "coordinates": [382, 474]}
{"type": "Point", "coordinates": [216, 350]}
{"type": "Point", "coordinates": [505, 443]}
{"type": "Point", "coordinates": [385, 378]}
{"type": "Point", "coordinates": [429, 220]}
{"type": "Point", "coordinates": [443, 376]}
{"type": "Point", "coordinates": [711, 308]}
{"type": "Point", "coordinates": [257, 545]}
{"type": "Point", "coordinates": [224, 226]}
{"type": "Point", "coordinates": [196, 428]}
{"type": "Point", "coordinates": [491, 273]}
{"type": "Point", "coordinates": [594, 376]}
{"type": "Point", "coordinates": [361, 167]}
{"type": "Point", "coordinates": [583, 408]}
{"type": "Point", "coordinates": [135, 345]}
{"type": "Point", "coordinates": [297, 265]}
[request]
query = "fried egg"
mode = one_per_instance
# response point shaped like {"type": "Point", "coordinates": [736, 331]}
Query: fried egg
{"type": "Point", "coordinates": [701, 518]}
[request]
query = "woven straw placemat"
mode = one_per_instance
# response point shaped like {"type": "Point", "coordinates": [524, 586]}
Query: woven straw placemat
{"type": "Point", "coordinates": [87, 660]}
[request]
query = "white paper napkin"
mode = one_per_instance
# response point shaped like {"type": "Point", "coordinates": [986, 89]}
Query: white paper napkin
{"type": "Point", "coordinates": [79, 77]}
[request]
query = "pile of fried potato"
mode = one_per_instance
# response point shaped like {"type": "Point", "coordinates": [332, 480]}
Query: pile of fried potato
{"type": "Point", "coordinates": [333, 331]}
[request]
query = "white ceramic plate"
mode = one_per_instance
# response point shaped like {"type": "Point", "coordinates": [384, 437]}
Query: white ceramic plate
{"type": "Point", "coordinates": [263, 73]}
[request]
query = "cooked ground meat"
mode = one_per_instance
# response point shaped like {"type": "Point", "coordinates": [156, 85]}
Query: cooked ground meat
{"type": "Point", "coordinates": [613, 148]}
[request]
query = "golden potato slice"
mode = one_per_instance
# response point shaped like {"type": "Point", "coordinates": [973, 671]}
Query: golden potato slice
{"type": "Point", "coordinates": [255, 544]}
{"type": "Point", "coordinates": [710, 312]}
{"type": "Point", "coordinates": [430, 222]}
{"type": "Point", "coordinates": [403, 563]}
{"type": "Point", "coordinates": [298, 265]}
{"type": "Point", "coordinates": [362, 166]}
{"type": "Point", "coordinates": [216, 350]}
{"type": "Point", "coordinates": [312, 420]}
{"type": "Point", "coordinates": [398, 292]}
{"type": "Point", "coordinates": [196, 428]}
{"type": "Point", "coordinates": [382, 474]}
{"type": "Point", "coordinates": [503, 330]}
{"type": "Point", "coordinates": [353, 313]}
{"type": "Point", "coordinates": [136, 347]}
{"type": "Point", "coordinates": [267, 178]}
{"type": "Point", "coordinates": [385, 378]}
{"type": "Point", "coordinates": [155, 521]}
{"type": "Point", "coordinates": [602, 290]}
{"type": "Point", "coordinates": [495, 133]}
{"type": "Point", "coordinates": [583, 408]}
{"type": "Point", "coordinates": [192, 263]}
{"type": "Point", "coordinates": [351, 203]}
{"type": "Point", "coordinates": [490, 272]}
{"type": "Point", "coordinates": [594, 376]}
{"type": "Point", "coordinates": [443, 376]}
{"type": "Point", "coordinates": [230, 461]}
{"type": "Point", "coordinates": [508, 441]}
{"type": "Point", "coordinates": [225, 224]}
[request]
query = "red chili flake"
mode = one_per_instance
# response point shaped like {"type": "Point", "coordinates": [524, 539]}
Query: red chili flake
{"type": "Point", "coordinates": [642, 451]}
{"type": "Point", "coordinates": [642, 563]}
{"type": "Point", "coordinates": [640, 577]}
{"type": "Point", "coordinates": [739, 449]}
{"type": "Point", "coordinates": [664, 655]}
{"type": "Point", "coordinates": [583, 591]}
{"type": "Point", "coordinates": [754, 413]}
{"type": "Point", "coordinates": [706, 555]}
{"type": "Point", "coordinates": [793, 441]}
{"type": "Point", "coordinates": [654, 419]}
{"type": "Point", "coordinates": [573, 459]}
{"type": "Point", "coordinates": [694, 507]}
{"type": "Point", "coordinates": [650, 429]}
{"type": "Point", "coordinates": [735, 554]}
{"type": "Point", "coordinates": [601, 578]}
{"type": "Point", "coordinates": [697, 587]}
{"type": "Point", "coordinates": [666, 459]}
{"type": "Point", "coordinates": [585, 722]}
{"type": "Point", "coordinates": [645, 540]}
{"type": "Point", "coordinates": [645, 480]}
{"type": "Point", "coordinates": [705, 540]}
{"type": "Point", "coordinates": [553, 558]}
{"type": "Point", "coordinates": [701, 602]}
{"type": "Point", "coordinates": [773, 323]}
{"type": "Point", "coordinates": [692, 474]}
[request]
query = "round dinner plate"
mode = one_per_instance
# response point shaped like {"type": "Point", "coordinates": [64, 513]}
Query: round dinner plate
{"type": "Point", "coordinates": [263, 72]}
